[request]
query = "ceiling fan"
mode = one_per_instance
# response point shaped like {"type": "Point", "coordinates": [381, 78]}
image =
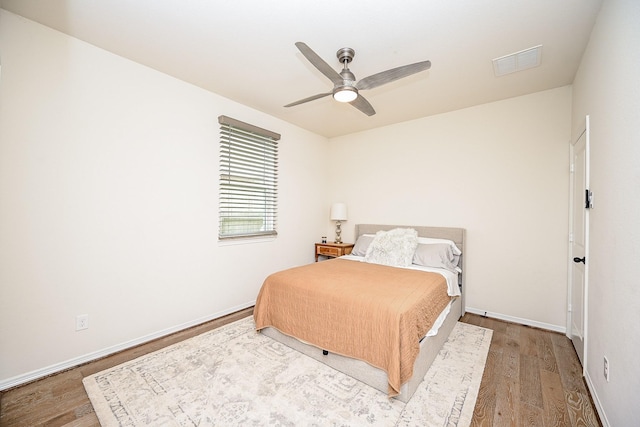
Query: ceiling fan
{"type": "Point", "coordinates": [345, 88]}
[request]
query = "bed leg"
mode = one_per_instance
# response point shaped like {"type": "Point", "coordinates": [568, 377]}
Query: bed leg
{"type": "Point", "coordinates": [325, 352]}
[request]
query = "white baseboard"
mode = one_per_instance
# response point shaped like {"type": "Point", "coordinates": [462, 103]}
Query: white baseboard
{"type": "Point", "coordinates": [528, 322]}
{"type": "Point", "coordinates": [77, 361]}
{"type": "Point", "coordinates": [596, 401]}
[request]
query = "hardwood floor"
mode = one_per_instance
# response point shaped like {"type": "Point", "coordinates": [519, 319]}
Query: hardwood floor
{"type": "Point", "coordinates": [532, 378]}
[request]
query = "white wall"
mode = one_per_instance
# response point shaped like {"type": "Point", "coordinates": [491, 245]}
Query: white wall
{"type": "Point", "coordinates": [108, 202]}
{"type": "Point", "coordinates": [500, 170]}
{"type": "Point", "coordinates": [607, 88]}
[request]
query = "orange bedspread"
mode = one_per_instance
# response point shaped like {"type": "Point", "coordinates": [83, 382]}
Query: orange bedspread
{"type": "Point", "coordinates": [366, 311]}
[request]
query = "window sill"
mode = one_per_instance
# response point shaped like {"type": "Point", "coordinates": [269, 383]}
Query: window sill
{"type": "Point", "coordinates": [245, 241]}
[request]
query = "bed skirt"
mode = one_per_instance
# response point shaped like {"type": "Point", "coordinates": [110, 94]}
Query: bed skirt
{"type": "Point", "coordinates": [372, 376]}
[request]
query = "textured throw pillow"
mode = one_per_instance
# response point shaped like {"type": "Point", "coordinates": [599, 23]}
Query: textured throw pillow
{"type": "Point", "coordinates": [362, 244]}
{"type": "Point", "coordinates": [436, 255]}
{"type": "Point", "coordinates": [394, 247]}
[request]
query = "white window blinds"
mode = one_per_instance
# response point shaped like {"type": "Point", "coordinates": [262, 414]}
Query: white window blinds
{"type": "Point", "coordinates": [248, 180]}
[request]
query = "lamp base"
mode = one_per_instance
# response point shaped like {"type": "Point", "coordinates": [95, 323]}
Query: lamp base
{"type": "Point", "coordinates": [338, 232]}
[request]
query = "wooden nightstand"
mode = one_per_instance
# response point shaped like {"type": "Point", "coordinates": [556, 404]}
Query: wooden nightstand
{"type": "Point", "coordinates": [333, 250]}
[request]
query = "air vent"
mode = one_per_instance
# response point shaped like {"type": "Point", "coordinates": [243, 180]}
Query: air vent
{"type": "Point", "coordinates": [523, 60]}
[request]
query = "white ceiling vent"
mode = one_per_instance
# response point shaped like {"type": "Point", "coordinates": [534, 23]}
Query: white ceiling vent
{"type": "Point", "coordinates": [528, 58]}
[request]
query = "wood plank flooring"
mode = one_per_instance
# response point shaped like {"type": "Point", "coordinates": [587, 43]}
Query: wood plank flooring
{"type": "Point", "coordinates": [532, 378]}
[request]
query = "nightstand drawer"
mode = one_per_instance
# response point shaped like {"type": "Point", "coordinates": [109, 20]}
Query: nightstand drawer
{"type": "Point", "coordinates": [333, 250]}
{"type": "Point", "coordinates": [329, 251]}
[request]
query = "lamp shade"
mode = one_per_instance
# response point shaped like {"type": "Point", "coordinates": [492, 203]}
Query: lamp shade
{"type": "Point", "coordinates": [339, 212]}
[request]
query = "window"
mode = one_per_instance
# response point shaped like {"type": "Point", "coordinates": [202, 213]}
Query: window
{"type": "Point", "coordinates": [248, 180]}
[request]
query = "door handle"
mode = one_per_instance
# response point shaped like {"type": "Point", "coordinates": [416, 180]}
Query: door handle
{"type": "Point", "coordinates": [582, 260]}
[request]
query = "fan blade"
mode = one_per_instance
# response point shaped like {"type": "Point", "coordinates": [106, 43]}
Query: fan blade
{"type": "Point", "coordinates": [363, 105]}
{"type": "Point", "coordinates": [391, 75]}
{"type": "Point", "coordinates": [319, 63]}
{"type": "Point", "coordinates": [311, 98]}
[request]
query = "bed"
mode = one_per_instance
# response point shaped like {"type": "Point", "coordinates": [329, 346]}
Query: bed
{"type": "Point", "coordinates": [334, 310]}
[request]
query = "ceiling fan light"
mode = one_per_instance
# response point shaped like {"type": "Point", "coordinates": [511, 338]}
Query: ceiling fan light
{"type": "Point", "coordinates": [345, 94]}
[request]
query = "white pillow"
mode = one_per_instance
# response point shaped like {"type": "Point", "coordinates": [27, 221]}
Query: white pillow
{"type": "Point", "coordinates": [394, 247]}
{"type": "Point", "coordinates": [427, 240]}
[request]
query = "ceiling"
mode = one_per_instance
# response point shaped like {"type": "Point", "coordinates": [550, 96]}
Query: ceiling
{"type": "Point", "coordinates": [244, 49]}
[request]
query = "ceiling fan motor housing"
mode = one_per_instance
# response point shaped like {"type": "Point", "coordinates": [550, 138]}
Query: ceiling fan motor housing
{"type": "Point", "coordinates": [345, 91]}
{"type": "Point", "coordinates": [345, 54]}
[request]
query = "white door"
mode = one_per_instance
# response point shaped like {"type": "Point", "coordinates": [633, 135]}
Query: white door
{"type": "Point", "coordinates": [579, 240]}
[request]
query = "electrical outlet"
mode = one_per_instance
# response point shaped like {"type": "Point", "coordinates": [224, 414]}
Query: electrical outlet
{"type": "Point", "coordinates": [606, 368]}
{"type": "Point", "coordinates": [82, 322]}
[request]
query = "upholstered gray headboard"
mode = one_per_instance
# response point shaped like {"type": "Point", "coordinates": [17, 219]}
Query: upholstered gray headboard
{"type": "Point", "coordinates": [457, 235]}
{"type": "Point", "coordinates": [451, 233]}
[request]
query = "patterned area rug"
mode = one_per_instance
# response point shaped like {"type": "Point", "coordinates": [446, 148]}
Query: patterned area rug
{"type": "Point", "coordinates": [234, 376]}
